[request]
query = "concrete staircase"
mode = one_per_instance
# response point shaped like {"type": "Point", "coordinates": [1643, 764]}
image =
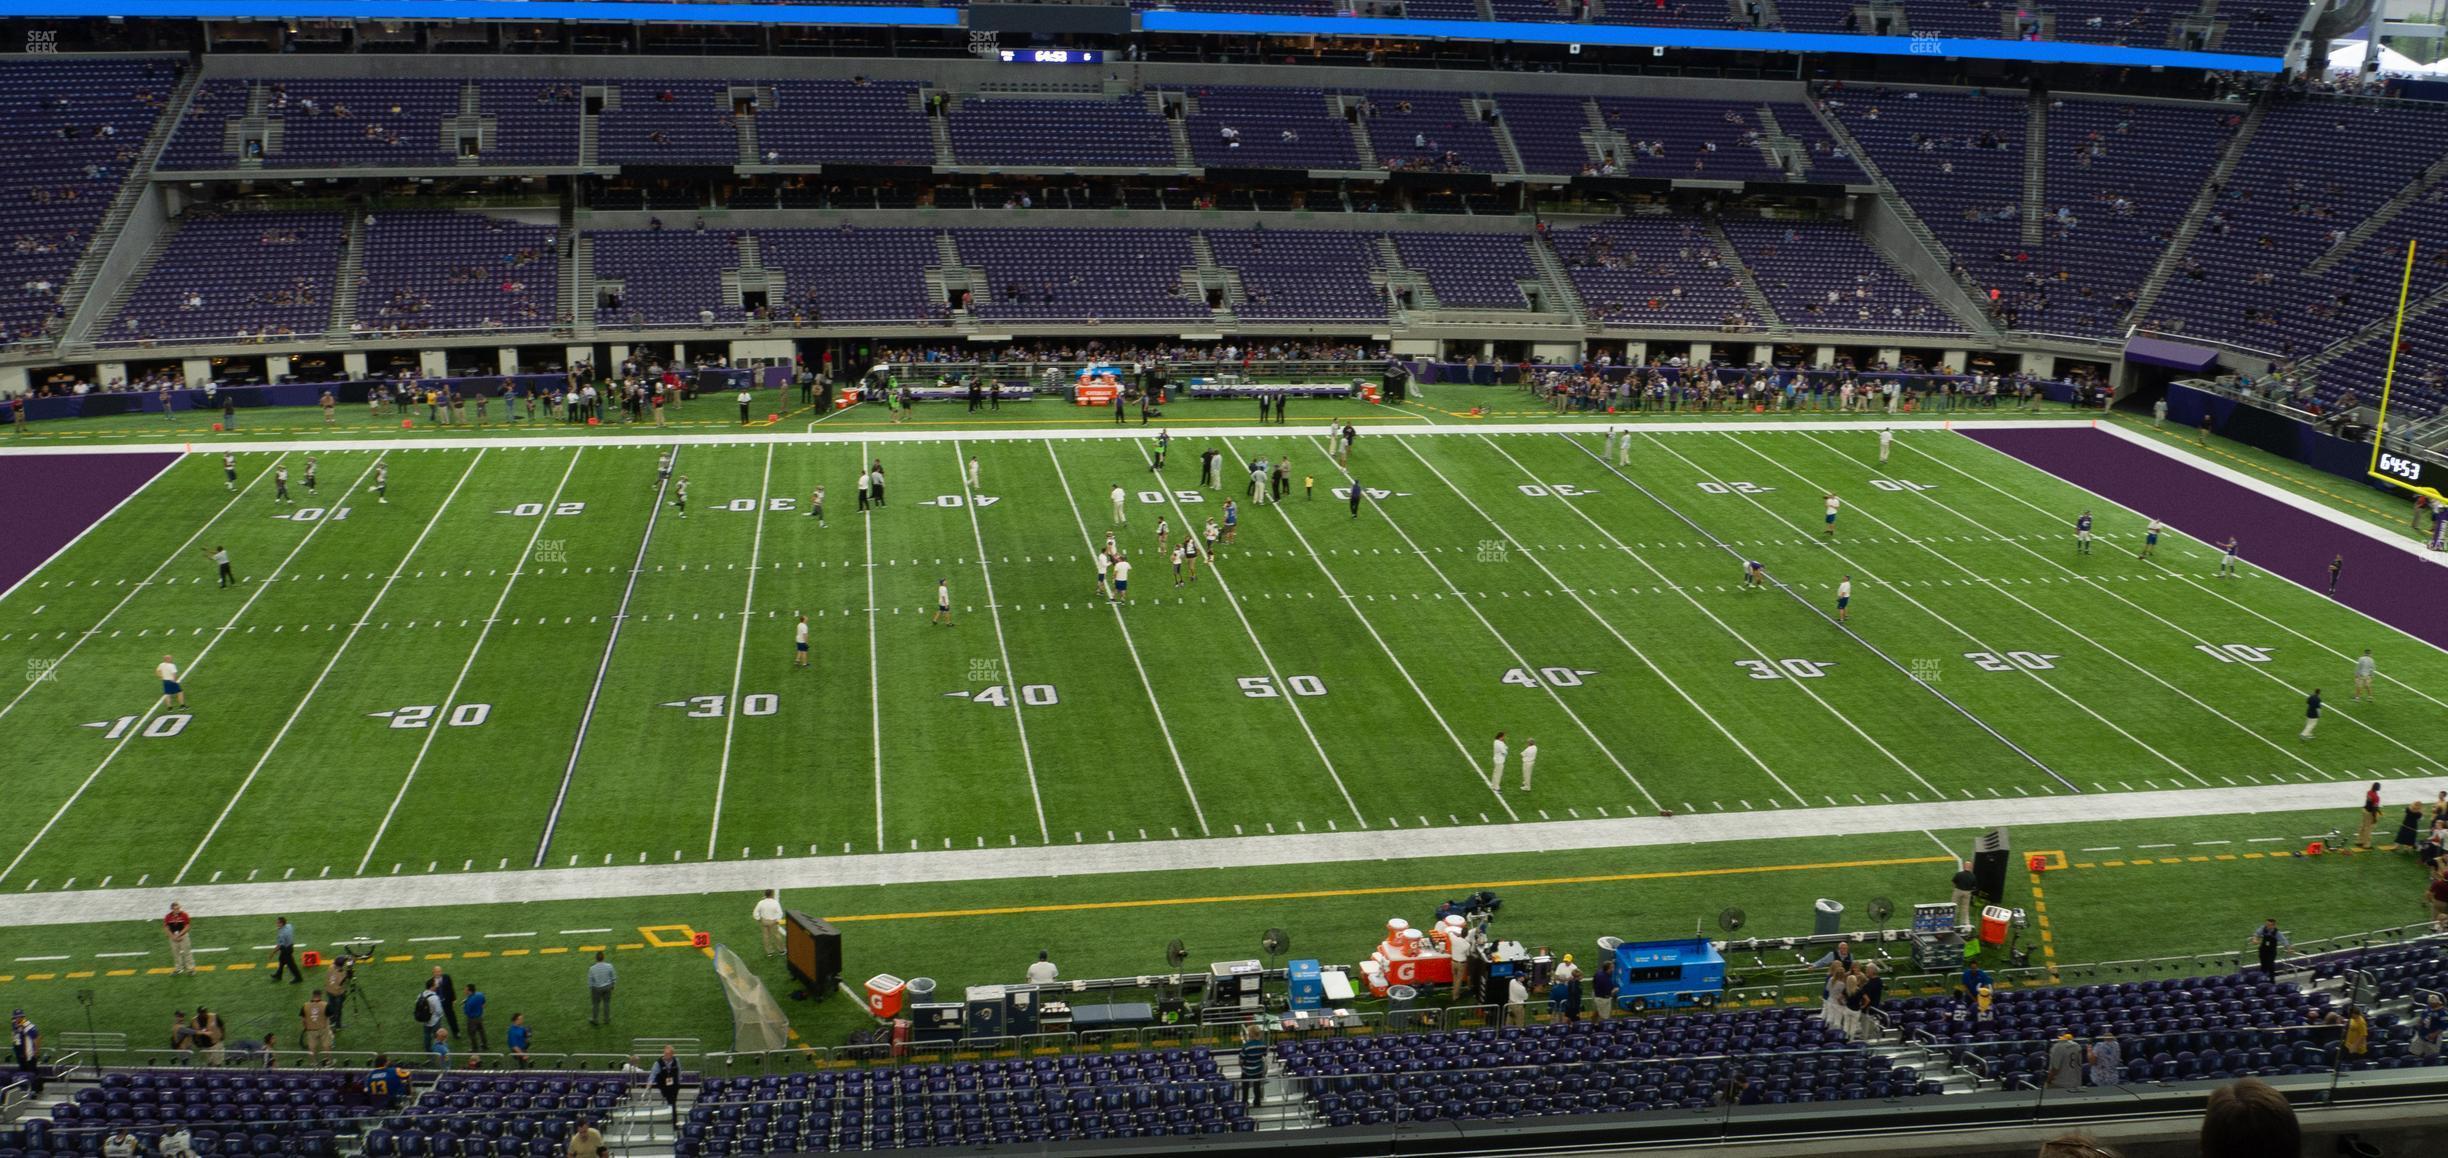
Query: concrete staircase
{"type": "Point", "coordinates": [1209, 276]}
{"type": "Point", "coordinates": [1559, 280]}
{"type": "Point", "coordinates": [941, 129]}
{"type": "Point", "coordinates": [749, 153]}
{"type": "Point", "coordinates": [96, 328]}
{"type": "Point", "coordinates": [1394, 276]}
{"type": "Point", "coordinates": [2035, 171]}
{"type": "Point", "coordinates": [1782, 151]}
{"type": "Point", "coordinates": [1182, 156]}
{"type": "Point", "coordinates": [2204, 200]}
{"type": "Point", "coordinates": [589, 127]}
{"type": "Point", "coordinates": [352, 275]}
{"type": "Point", "coordinates": [577, 258]}
{"type": "Point", "coordinates": [1503, 132]}
{"type": "Point", "coordinates": [1600, 139]}
{"type": "Point", "coordinates": [1753, 296]}
{"type": "Point", "coordinates": [131, 190]}
{"type": "Point", "coordinates": [1361, 141]}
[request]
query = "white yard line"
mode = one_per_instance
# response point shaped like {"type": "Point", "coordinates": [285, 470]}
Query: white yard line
{"type": "Point", "coordinates": [994, 613]}
{"type": "Point", "coordinates": [2257, 669]}
{"type": "Point", "coordinates": [139, 588]}
{"type": "Point", "coordinates": [1121, 621]}
{"type": "Point", "coordinates": [116, 507]}
{"type": "Point", "coordinates": [739, 662]}
{"type": "Point", "coordinates": [586, 717]}
{"type": "Point", "coordinates": [450, 699]}
{"type": "Point", "coordinates": [1985, 581]}
{"type": "Point", "coordinates": [875, 694]}
{"type": "Point", "coordinates": [1216, 569]}
{"type": "Point", "coordinates": [1869, 577]}
{"type": "Point", "coordinates": [1469, 759]}
{"type": "Point", "coordinates": [650, 436]}
{"type": "Point", "coordinates": [1738, 637]}
{"type": "Point", "coordinates": [363, 618]}
{"type": "Point", "coordinates": [187, 674]}
{"type": "Point", "coordinates": [2190, 581]}
{"type": "Point", "coordinates": [1308, 850]}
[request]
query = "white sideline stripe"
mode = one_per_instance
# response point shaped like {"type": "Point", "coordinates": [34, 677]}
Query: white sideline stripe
{"type": "Point", "coordinates": [271, 580]}
{"type": "Point", "coordinates": [450, 699]}
{"type": "Point", "coordinates": [2257, 669]}
{"type": "Point", "coordinates": [1728, 628]}
{"type": "Point", "coordinates": [1469, 760]}
{"type": "Point", "coordinates": [363, 618]}
{"type": "Point", "coordinates": [2207, 589]}
{"type": "Point", "coordinates": [994, 614]}
{"type": "Point", "coordinates": [1216, 569]}
{"type": "Point", "coordinates": [1157, 709]}
{"type": "Point", "coordinates": [875, 696]}
{"type": "Point", "coordinates": [1601, 620]}
{"type": "Point", "coordinates": [751, 438]}
{"type": "Point", "coordinates": [2062, 625]}
{"type": "Point", "coordinates": [620, 616]}
{"type": "Point", "coordinates": [1214, 853]}
{"type": "Point", "coordinates": [1925, 609]}
{"type": "Point", "coordinates": [130, 497]}
{"type": "Point", "coordinates": [739, 662]}
{"type": "Point", "coordinates": [149, 580]}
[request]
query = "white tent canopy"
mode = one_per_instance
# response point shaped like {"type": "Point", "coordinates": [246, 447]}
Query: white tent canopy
{"type": "Point", "coordinates": [2347, 56]}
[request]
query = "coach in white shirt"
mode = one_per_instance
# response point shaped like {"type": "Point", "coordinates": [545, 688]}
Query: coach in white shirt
{"type": "Point", "coordinates": [769, 922]}
{"type": "Point", "coordinates": [1043, 971]}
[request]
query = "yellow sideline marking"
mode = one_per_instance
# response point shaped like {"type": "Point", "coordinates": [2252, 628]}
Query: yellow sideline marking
{"type": "Point", "coordinates": [1393, 890]}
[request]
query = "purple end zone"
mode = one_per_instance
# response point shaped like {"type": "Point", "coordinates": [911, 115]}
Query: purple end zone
{"type": "Point", "coordinates": [2381, 580]}
{"type": "Point", "coordinates": [52, 498]}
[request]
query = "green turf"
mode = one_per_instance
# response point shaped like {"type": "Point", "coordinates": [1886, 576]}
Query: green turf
{"type": "Point", "coordinates": [2107, 904]}
{"type": "Point", "coordinates": [1332, 673]}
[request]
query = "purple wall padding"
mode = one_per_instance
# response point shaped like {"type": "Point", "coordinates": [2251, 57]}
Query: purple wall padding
{"type": "Point", "coordinates": [54, 497]}
{"type": "Point", "coordinates": [2381, 580]}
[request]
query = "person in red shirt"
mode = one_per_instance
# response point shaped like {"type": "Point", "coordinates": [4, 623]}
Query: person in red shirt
{"type": "Point", "coordinates": [2371, 815]}
{"type": "Point", "coordinates": [182, 954]}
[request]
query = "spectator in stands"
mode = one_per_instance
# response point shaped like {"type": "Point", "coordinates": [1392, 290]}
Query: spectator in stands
{"type": "Point", "coordinates": [2429, 1021]}
{"type": "Point", "coordinates": [388, 1084]}
{"type": "Point", "coordinates": [586, 1141]}
{"type": "Point", "coordinates": [2065, 1063]}
{"type": "Point", "coordinates": [666, 1081]}
{"type": "Point", "coordinates": [2249, 1119]}
{"type": "Point", "coordinates": [2107, 1060]}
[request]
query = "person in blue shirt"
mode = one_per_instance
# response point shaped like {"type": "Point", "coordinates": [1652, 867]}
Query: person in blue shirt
{"type": "Point", "coordinates": [471, 1011]}
{"type": "Point", "coordinates": [517, 1039]}
{"type": "Point", "coordinates": [2082, 534]}
{"type": "Point", "coordinates": [388, 1084]}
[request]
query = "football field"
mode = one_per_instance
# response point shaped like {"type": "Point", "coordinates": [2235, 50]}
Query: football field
{"type": "Point", "coordinates": [530, 656]}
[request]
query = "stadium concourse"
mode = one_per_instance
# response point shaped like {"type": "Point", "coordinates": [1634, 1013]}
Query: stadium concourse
{"type": "Point", "coordinates": [722, 555]}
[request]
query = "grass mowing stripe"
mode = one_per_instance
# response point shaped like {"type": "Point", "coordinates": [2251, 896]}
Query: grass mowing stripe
{"type": "Point", "coordinates": [1216, 568]}
{"type": "Point", "coordinates": [450, 699]}
{"type": "Point", "coordinates": [1881, 653]}
{"type": "Point", "coordinates": [2171, 625]}
{"type": "Point", "coordinates": [139, 588]}
{"type": "Point", "coordinates": [79, 537]}
{"type": "Point", "coordinates": [2112, 653]}
{"type": "Point", "coordinates": [1468, 760]}
{"type": "Point", "coordinates": [620, 615]}
{"type": "Point", "coordinates": [1951, 625]}
{"type": "Point", "coordinates": [994, 614]}
{"type": "Point", "coordinates": [1154, 708]}
{"type": "Point", "coordinates": [1637, 653]}
{"type": "Point", "coordinates": [1712, 617]}
{"type": "Point", "coordinates": [138, 727]}
{"type": "Point", "coordinates": [2193, 582]}
{"type": "Point", "coordinates": [355, 627]}
{"type": "Point", "coordinates": [756, 555]}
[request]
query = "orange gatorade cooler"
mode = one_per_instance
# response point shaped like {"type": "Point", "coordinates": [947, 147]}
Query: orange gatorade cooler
{"type": "Point", "coordinates": [1993, 923]}
{"type": "Point", "coordinates": [884, 994]}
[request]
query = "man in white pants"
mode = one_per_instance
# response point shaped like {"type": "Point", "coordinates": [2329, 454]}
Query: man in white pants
{"type": "Point", "coordinates": [1529, 761]}
{"type": "Point", "coordinates": [1623, 450]}
{"type": "Point", "coordinates": [2364, 668]}
{"type": "Point", "coordinates": [1496, 772]}
{"type": "Point", "coordinates": [1117, 505]}
{"type": "Point", "coordinates": [973, 472]}
{"type": "Point", "coordinates": [2312, 706]}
